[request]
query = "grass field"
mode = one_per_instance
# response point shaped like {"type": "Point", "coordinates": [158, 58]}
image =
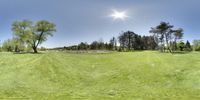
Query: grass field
{"type": "Point", "coordinates": [146, 75]}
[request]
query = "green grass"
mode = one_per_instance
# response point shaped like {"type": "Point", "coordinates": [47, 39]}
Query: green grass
{"type": "Point", "coordinates": [143, 75]}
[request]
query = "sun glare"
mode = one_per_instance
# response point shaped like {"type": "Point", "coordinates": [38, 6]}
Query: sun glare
{"type": "Point", "coordinates": [122, 15]}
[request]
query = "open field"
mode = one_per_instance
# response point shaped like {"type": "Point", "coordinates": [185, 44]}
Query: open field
{"type": "Point", "coordinates": [146, 75]}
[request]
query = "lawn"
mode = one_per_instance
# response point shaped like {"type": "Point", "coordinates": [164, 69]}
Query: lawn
{"type": "Point", "coordinates": [145, 75]}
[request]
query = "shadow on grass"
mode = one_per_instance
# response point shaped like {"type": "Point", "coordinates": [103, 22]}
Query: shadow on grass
{"type": "Point", "coordinates": [137, 51]}
{"type": "Point", "coordinates": [27, 53]}
{"type": "Point", "coordinates": [88, 51]}
{"type": "Point", "coordinates": [181, 52]}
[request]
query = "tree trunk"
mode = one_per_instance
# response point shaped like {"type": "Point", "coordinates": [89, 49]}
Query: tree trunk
{"type": "Point", "coordinates": [35, 49]}
{"type": "Point", "coordinates": [16, 48]}
{"type": "Point", "coordinates": [129, 42]}
{"type": "Point", "coordinates": [167, 42]}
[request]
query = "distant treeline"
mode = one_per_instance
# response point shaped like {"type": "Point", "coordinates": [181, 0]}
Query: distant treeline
{"type": "Point", "coordinates": [163, 37]}
{"type": "Point", "coordinates": [27, 36]}
{"type": "Point", "coordinates": [127, 41]}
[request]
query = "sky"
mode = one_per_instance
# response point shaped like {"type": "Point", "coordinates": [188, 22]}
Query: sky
{"type": "Point", "coordinates": [88, 20]}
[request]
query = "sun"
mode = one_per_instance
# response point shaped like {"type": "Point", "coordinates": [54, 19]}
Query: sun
{"type": "Point", "coordinates": [122, 15]}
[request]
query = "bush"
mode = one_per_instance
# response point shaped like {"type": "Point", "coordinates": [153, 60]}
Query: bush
{"type": "Point", "coordinates": [197, 48]}
{"type": "Point", "coordinates": [43, 49]}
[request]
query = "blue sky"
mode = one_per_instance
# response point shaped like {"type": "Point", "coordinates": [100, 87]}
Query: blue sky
{"type": "Point", "coordinates": [88, 20]}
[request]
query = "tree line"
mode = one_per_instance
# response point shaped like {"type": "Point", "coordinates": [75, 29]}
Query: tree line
{"type": "Point", "coordinates": [28, 35]}
{"type": "Point", "coordinates": [128, 41]}
{"type": "Point", "coordinates": [163, 37]}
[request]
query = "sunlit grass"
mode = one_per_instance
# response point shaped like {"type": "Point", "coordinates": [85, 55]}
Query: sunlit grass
{"type": "Point", "coordinates": [147, 75]}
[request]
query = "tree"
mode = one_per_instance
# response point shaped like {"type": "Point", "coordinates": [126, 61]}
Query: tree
{"type": "Point", "coordinates": [196, 45]}
{"type": "Point", "coordinates": [167, 37]}
{"type": "Point", "coordinates": [21, 32]}
{"type": "Point", "coordinates": [94, 45]}
{"type": "Point", "coordinates": [83, 46]}
{"type": "Point", "coordinates": [19, 46]}
{"type": "Point", "coordinates": [163, 32]}
{"type": "Point", "coordinates": [178, 34]}
{"type": "Point", "coordinates": [137, 42]}
{"type": "Point", "coordinates": [113, 43]}
{"type": "Point", "coordinates": [8, 45]}
{"type": "Point", "coordinates": [130, 39]}
{"type": "Point", "coordinates": [31, 34]}
{"type": "Point", "coordinates": [126, 40]}
{"type": "Point", "coordinates": [122, 41]}
{"type": "Point", "coordinates": [181, 45]}
{"type": "Point", "coordinates": [11, 45]}
{"type": "Point", "coordinates": [42, 30]}
{"type": "Point", "coordinates": [148, 43]}
{"type": "Point", "coordinates": [188, 46]}
{"type": "Point", "coordinates": [43, 48]}
{"type": "Point", "coordinates": [101, 45]}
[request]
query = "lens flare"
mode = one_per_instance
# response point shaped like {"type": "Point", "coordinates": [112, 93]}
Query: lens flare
{"type": "Point", "coordinates": [122, 15]}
